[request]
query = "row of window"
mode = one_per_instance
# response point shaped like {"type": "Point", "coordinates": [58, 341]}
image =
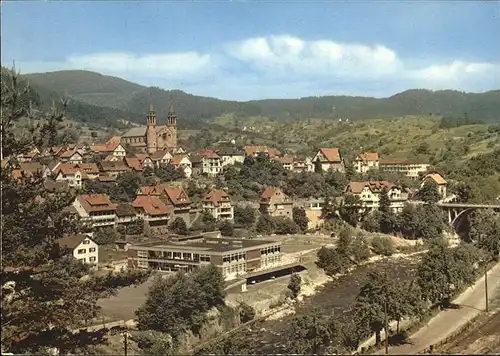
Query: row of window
{"type": "Point", "coordinates": [270, 260]}
{"type": "Point", "coordinates": [268, 250]}
{"type": "Point", "coordinates": [81, 251]}
{"type": "Point", "coordinates": [91, 259]}
{"type": "Point", "coordinates": [187, 256]}
{"type": "Point", "coordinates": [234, 257]}
{"type": "Point", "coordinates": [239, 268]}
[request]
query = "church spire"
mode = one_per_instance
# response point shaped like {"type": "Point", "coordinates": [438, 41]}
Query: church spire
{"type": "Point", "coordinates": [171, 117]}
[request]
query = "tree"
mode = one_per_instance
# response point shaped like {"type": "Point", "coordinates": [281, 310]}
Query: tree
{"type": "Point", "coordinates": [384, 201]}
{"type": "Point", "coordinates": [284, 225]}
{"type": "Point", "coordinates": [47, 296]}
{"type": "Point", "coordinates": [345, 241]}
{"type": "Point", "coordinates": [247, 312]}
{"type": "Point", "coordinates": [181, 302]}
{"type": "Point", "coordinates": [360, 249]}
{"type": "Point", "coordinates": [350, 208]}
{"type": "Point", "coordinates": [179, 226]}
{"type": "Point", "coordinates": [294, 285]}
{"type": "Point", "coordinates": [106, 236]}
{"type": "Point", "coordinates": [485, 231]}
{"type": "Point", "coordinates": [226, 227]}
{"type": "Point", "coordinates": [244, 216]}
{"type": "Point", "coordinates": [310, 333]}
{"type": "Point", "coordinates": [265, 225]}
{"type": "Point", "coordinates": [169, 173]}
{"type": "Point", "coordinates": [129, 182]}
{"type": "Point", "coordinates": [383, 245]}
{"type": "Point", "coordinates": [429, 192]}
{"type": "Point", "coordinates": [136, 227]}
{"type": "Point", "coordinates": [300, 218]}
{"type": "Point", "coordinates": [208, 221]}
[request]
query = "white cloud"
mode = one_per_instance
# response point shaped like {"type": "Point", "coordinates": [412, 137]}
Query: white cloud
{"type": "Point", "coordinates": [164, 65]}
{"type": "Point", "coordinates": [287, 55]}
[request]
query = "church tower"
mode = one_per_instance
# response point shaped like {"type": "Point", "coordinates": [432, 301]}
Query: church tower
{"type": "Point", "coordinates": [172, 126]}
{"type": "Point", "coordinates": [151, 131]}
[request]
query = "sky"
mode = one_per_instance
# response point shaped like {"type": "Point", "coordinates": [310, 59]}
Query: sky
{"type": "Point", "coordinates": [246, 50]}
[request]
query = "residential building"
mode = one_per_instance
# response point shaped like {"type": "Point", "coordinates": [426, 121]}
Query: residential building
{"type": "Point", "coordinates": [441, 183]}
{"type": "Point", "coordinates": [111, 148]}
{"type": "Point", "coordinates": [113, 169]}
{"type": "Point", "coordinates": [366, 161]}
{"type": "Point", "coordinates": [82, 247]}
{"type": "Point", "coordinates": [95, 209]}
{"type": "Point", "coordinates": [274, 202]}
{"type": "Point", "coordinates": [125, 214]}
{"type": "Point", "coordinates": [409, 168]}
{"type": "Point", "coordinates": [255, 150]}
{"type": "Point", "coordinates": [211, 163]}
{"type": "Point", "coordinates": [303, 165]}
{"type": "Point", "coordinates": [90, 169]}
{"type": "Point", "coordinates": [218, 203]}
{"type": "Point", "coordinates": [182, 161]}
{"type": "Point", "coordinates": [230, 155]}
{"type": "Point", "coordinates": [28, 156]}
{"type": "Point", "coordinates": [145, 160]}
{"type": "Point", "coordinates": [71, 173]}
{"type": "Point", "coordinates": [369, 194]}
{"type": "Point", "coordinates": [285, 161]}
{"type": "Point", "coordinates": [328, 158]}
{"type": "Point", "coordinates": [112, 158]}
{"type": "Point", "coordinates": [155, 213]}
{"type": "Point", "coordinates": [134, 164]}
{"type": "Point", "coordinates": [233, 257]}
{"type": "Point", "coordinates": [71, 156]}
{"type": "Point", "coordinates": [161, 157]}
{"type": "Point", "coordinates": [313, 208]}
{"type": "Point", "coordinates": [152, 137]}
{"type": "Point", "coordinates": [173, 196]}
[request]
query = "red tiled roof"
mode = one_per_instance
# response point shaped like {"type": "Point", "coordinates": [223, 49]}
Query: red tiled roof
{"type": "Point", "coordinates": [96, 202]}
{"type": "Point", "coordinates": [284, 160]}
{"type": "Point", "coordinates": [176, 160]}
{"type": "Point", "coordinates": [152, 205]}
{"type": "Point", "coordinates": [109, 147]}
{"type": "Point", "coordinates": [217, 196]}
{"type": "Point", "coordinates": [368, 156]}
{"type": "Point", "coordinates": [68, 168]}
{"type": "Point", "coordinates": [134, 163]}
{"type": "Point", "coordinates": [72, 241]}
{"type": "Point", "coordinates": [331, 154]}
{"type": "Point", "coordinates": [436, 177]}
{"type": "Point", "coordinates": [69, 153]}
{"type": "Point", "coordinates": [209, 154]}
{"type": "Point", "coordinates": [88, 167]}
{"type": "Point", "coordinates": [375, 186]}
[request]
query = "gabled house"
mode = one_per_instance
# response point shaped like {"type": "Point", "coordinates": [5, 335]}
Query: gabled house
{"type": "Point", "coordinates": [96, 209]}
{"type": "Point", "coordinates": [328, 158]}
{"type": "Point", "coordinates": [182, 162]}
{"type": "Point", "coordinates": [145, 160]}
{"type": "Point", "coordinates": [134, 164]}
{"type": "Point", "coordinates": [369, 194]}
{"type": "Point", "coordinates": [91, 170]}
{"type": "Point", "coordinates": [366, 161]}
{"type": "Point", "coordinates": [71, 173]}
{"type": "Point", "coordinates": [173, 196]}
{"type": "Point", "coordinates": [255, 150]}
{"type": "Point", "coordinates": [161, 157]}
{"type": "Point", "coordinates": [285, 161]}
{"type": "Point", "coordinates": [303, 165]}
{"type": "Point", "coordinates": [210, 163]}
{"type": "Point", "coordinates": [154, 211]}
{"type": "Point", "coordinates": [113, 148]}
{"type": "Point", "coordinates": [113, 169]}
{"type": "Point", "coordinates": [274, 202]}
{"type": "Point", "coordinates": [218, 203]}
{"type": "Point", "coordinates": [71, 156]}
{"type": "Point", "coordinates": [441, 183]}
{"type": "Point", "coordinates": [112, 158]}
{"type": "Point", "coordinates": [28, 156]}
{"type": "Point", "coordinates": [82, 247]}
{"type": "Point", "coordinates": [178, 150]}
{"type": "Point", "coordinates": [230, 155]}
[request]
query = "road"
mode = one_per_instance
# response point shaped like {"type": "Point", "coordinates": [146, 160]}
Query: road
{"type": "Point", "coordinates": [471, 302]}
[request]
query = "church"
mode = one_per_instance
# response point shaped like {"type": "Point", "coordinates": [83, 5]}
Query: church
{"type": "Point", "coordinates": [151, 138]}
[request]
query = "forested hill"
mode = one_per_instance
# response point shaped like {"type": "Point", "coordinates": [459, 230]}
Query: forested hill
{"type": "Point", "coordinates": [130, 100]}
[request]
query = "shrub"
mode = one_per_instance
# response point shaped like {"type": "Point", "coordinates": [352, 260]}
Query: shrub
{"type": "Point", "coordinates": [383, 246]}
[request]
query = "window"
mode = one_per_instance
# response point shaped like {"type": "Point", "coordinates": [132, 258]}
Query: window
{"type": "Point", "coordinates": [92, 249]}
{"type": "Point", "coordinates": [82, 259]}
{"type": "Point", "coordinates": [92, 259]}
{"type": "Point", "coordinates": [82, 251]}
{"type": "Point", "coordinates": [143, 254]}
{"type": "Point", "coordinates": [86, 242]}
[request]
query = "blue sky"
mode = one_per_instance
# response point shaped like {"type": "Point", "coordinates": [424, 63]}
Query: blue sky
{"type": "Point", "coordinates": [246, 50]}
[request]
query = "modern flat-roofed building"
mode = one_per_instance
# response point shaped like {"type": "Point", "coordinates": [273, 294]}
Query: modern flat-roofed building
{"type": "Point", "coordinates": [232, 256]}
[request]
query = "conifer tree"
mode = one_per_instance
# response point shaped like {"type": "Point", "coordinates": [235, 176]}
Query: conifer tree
{"type": "Point", "coordinates": [44, 293]}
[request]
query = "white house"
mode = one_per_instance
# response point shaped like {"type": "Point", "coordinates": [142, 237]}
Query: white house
{"type": "Point", "coordinates": [366, 161]}
{"type": "Point", "coordinates": [71, 173]}
{"type": "Point", "coordinates": [82, 247]}
{"type": "Point", "coordinates": [96, 209]}
{"type": "Point", "coordinates": [328, 158]}
{"type": "Point", "coordinates": [183, 162]}
{"type": "Point", "coordinates": [71, 156]}
{"type": "Point", "coordinates": [218, 203]}
{"type": "Point", "coordinates": [230, 156]}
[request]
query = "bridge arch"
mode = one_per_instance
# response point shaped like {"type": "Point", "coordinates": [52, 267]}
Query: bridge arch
{"type": "Point", "coordinates": [460, 221]}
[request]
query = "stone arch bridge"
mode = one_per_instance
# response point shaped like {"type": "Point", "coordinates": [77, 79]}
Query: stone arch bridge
{"type": "Point", "coordinates": [458, 212]}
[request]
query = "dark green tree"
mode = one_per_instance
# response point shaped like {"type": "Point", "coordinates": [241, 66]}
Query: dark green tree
{"type": "Point", "coordinates": [350, 209]}
{"type": "Point", "coordinates": [244, 216]}
{"type": "Point", "coordinates": [300, 218]}
{"type": "Point", "coordinates": [179, 226]}
{"type": "Point", "coordinates": [265, 225]}
{"type": "Point", "coordinates": [359, 248]}
{"type": "Point", "coordinates": [44, 295]}
{"type": "Point", "coordinates": [383, 245]}
{"type": "Point", "coordinates": [294, 286]}
{"type": "Point", "coordinates": [310, 333]}
{"type": "Point", "coordinates": [208, 221]}
{"type": "Point", "coordinates": [429, 192]}
{"type": "Point", "coordinates": [384, 202]}
{"type": "Point", "coordinates": [246, 312]}
{"type": "Point", "coordinates": [226, 227]}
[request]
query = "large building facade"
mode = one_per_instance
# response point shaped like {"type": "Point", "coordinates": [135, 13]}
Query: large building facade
{"type": "Point", "coordinates": [151, 138]}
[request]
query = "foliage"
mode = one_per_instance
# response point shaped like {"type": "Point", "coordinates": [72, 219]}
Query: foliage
{"type": "Point", "coordinates": [359, 248]}
{"type": "Point", "coordinates": [429, 192]}
{"type": "Point", "coordinates": [246, 312]}
{"type": "Point", "coordinates": [42, 283]}
{"type": "Point", "coordinates": [350, 208]}
{"type": "Point", "coordinates": [106, 236]}
{"type": "Point", "coordinates": [169, 173]}
{"type": "Point", "coordinates": [135, 227]}
{"type": "Point", "coordinates": [179, 226]}
{"type": "Point", "coordinates": [154, 343]}
{"type": "Point", "coordinates": [244, 216]}
{"type": "Point", "coordinates": [485, 231]}
{"type": "Point", "coordinates": [265, 225]}
{"type": "Point", "coordinates": [331, 261]}
{"type": "Point", "coordinates": [129, 183]}
{"type": "Point", "coordinates": [300, 218]}
{"type": "Point", "coordinates": [226, 227]}
{"type": "Point", "coordinates": [443, 270]}
{"type": "Point", "coordinates": [276, 225]}
{"type": "Point", "coordinates": [294, 285]}
{"type": "Point", "coordinates": [180, 302]}
{"type": "Point", "coordinates": [311, 333]}
{"type": "Point", "coordinates": [383, 245]}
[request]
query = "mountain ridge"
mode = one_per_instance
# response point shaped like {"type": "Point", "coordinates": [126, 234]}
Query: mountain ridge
{"type": "Point", "coordinates": [132, 100]}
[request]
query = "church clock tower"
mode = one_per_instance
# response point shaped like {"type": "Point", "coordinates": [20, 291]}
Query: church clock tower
{"type": "Point", "coordinates": [151, 131]}
{"type": "Point", "coordinates": [172, 127]}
